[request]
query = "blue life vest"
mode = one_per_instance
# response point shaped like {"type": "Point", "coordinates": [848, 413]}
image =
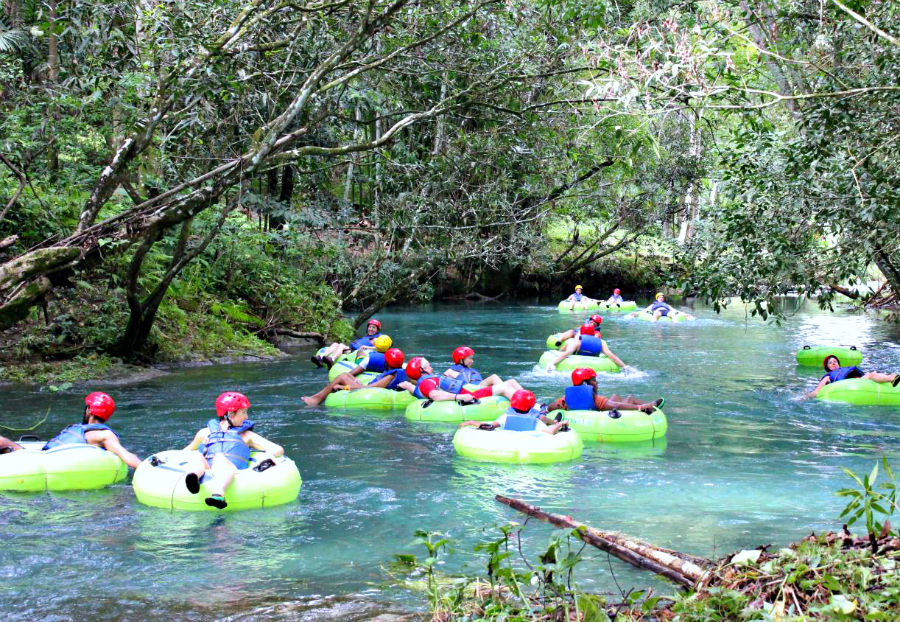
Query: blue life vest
{"type": "Point", "coordinates": [374, 361]}
{"type": "Point", "coordinates": [842, 373]}
{"type": "Point", "coordinates": [452, 385]}
{"type": "Point", "coordinates": [661, 306]}
{"type": "Point", "coordinates": [366, 341]}
{"type": "Point", "coordinates": [418, 393]}
{"type": "Point", "coordinates": [590, 345]}
{"type": "Point", "coordinates": [580, 397]}
{"type": "Point", "coordinates": [467, 374]}
{"type": "Point", "coordinates": [228, 442]}
{"type": "Point", "coordinates": [617, 298]}
{"type": "Point", "coordinates": [74, 435]}
{"type": "Point", "coordinates": [399, 376]}
{"type": "Point", "coordinates": [521, 422]}
{"type": "Point", "coordinates": [578, 296]}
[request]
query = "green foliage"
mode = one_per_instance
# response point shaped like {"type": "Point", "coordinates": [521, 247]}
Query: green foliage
{"type": "Point", "coordinates": [874, 504]}
{"type": "Point", "coordinates": [513, 589]}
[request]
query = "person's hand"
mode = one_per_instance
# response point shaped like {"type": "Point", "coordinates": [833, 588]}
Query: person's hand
{"type": "Point", "coordinates": [464, 398]}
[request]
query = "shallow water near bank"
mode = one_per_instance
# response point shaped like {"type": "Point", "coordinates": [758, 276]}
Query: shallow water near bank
{"type": "Point", "coordinates": [745, 463]}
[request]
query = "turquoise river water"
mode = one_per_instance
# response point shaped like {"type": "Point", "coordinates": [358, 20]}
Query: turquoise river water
{"type": "Point", "coordinates": [745, 463]}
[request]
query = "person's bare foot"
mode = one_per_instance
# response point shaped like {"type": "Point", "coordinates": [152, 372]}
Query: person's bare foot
{"type": "Point", "coordinates": [309, 401]}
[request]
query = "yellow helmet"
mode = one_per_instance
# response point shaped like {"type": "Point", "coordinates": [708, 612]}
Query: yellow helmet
{"type": "Point", "coordinates": [658, 294]}
{"type": "Point", "coordinates": [383, 343]}
{"type": "Point", "coordinates": [578, 287]}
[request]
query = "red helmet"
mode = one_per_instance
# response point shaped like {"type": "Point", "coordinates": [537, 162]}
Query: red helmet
{"type": "Point", "coordinates": [596, 319]}
{"type": "Point", "coordinates": [581, 375]}
{"type": "Point", "coordinates": [462, 352]}
{"type": "Point", "coordinates": [617, 291]}
{"type": "Point", "coordinates": [100, 405]}
{"type": "Point", "coordinates": [394, 358]}
{"type": "Point", "coordinates": [375, 322]}
{"type": "Point", "coordinates": [587, 329]}
{"type": "Point", "coordinates": [522, 400]}
{"type": "Point", "coordinates": [229, 402]}
{"type": "Point", "coordinates": [414, 367]}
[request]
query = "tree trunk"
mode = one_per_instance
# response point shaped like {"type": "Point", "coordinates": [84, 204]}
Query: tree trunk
{"type": "Point", "coordinates": [53, 77]}
{"type": "Point", "coordinates": [779, 72]}
{"type": "Point", "coordinates": [692, 197]}
{"type": "Point", "coordinates": [636, 553]}
{"type": "Point", "coordinates": [889, 269]}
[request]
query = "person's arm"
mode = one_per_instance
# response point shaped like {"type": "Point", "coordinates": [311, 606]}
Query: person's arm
{"type": "Point", "coordinates": [5, 443]}
{"type": "Point", "coordinates": [408, 386]}
{"type": "Point", "coordinates": [559, 404]}
{"type": "Point", "coordinates": [478, 424]}
{"type": "Point", "coordinates": [112, 444]}
{"type": "Point", "coordinates": [825, 380]}
{"type": "Point", "coordinates": [258, 442]}
{"type": "Point", "coordinates": [615, 359]}
{"type": "Point", "coordinates": [451, 374]}
{"type": "Point", "coordinates": [357, 370]}
{"type": "Point", "coordinates": [199, 438]}
{"type": "Point", "coordinates": [381, 383]}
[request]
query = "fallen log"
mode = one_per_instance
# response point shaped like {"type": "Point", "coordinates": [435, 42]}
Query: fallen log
{"type": "Point", "coordinates": [682, 569]}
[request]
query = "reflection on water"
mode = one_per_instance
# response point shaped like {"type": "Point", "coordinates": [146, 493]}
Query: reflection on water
{"type": "Point", "coordinates": [745, 462]}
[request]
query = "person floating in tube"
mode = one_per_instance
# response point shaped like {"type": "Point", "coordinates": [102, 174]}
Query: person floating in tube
{"type": "Point", "coordinates": [521, 416]}
{"type": "Point", "coordinates": [585, 341]}
{"type": "Point", "coordinates": [584, 395]}
{"type": "Point", "coordinates": [462, 371]}
{"type": "Point", "coordinates": [835, 373]}
{"type": "Point", "coordinates": [424, 384]}
{"type": "Point", "coordinates": [93, 430]}
{"type": "Point", "coordinates": [225, 443]}
{"type": "Point", "coordinates": [391, 376]}
{"type": "Point", "coordinates": [660, 308]}
{"type": "Point", "coordinates": [578, 299]}
{"type": "Point", "coordinates": [366, 342]}
{"type": "Point", "coordinates": [616, 298]}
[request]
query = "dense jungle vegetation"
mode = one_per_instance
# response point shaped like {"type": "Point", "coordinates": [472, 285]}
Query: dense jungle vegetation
{"type": "Point", "coordinates": [191, 178]}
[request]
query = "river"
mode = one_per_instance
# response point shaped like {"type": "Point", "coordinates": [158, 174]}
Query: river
{"type": "Point", "coordinates": [745, 463]}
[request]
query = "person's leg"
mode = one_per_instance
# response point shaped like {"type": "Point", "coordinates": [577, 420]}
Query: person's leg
{"type": "Point", "coordinates": [335, 350]}
{"type": "Point", "coordinates": [657, 314]}
{"type": "Point", "coordinates": [506, 389]}
{"type": "Point", "coordinates": [224, 472]}
{"type": "Point", "coordinates": [879, 377]}
{"type": "Point", "coordinates": [192, 479]}
{"type": "Point", "coordinates": [566, 351]}
{"type": "Point", "coordinates": [343, 380]}
{"type": "Point", "coordinates": [494, 380]}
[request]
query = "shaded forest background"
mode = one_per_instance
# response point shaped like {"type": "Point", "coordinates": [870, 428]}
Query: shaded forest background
{"type": "Point", "coordinates": [187, 179]}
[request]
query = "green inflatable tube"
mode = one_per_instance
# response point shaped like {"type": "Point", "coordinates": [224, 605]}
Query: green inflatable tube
{"type": "Point", "coordinates": [486, 409]}
{"type": "Point", "coordinates": [573, 362]}
{"type": "Point", "coordinates": [346, 366]}
{"type": "Point", "coordinates": [648, 317]}
{"type": "Point", "coordinates": [162, 486]}
{"type": "Point", "coordinates": [626, 305]}
{"type": "Point", "coordinates": [369, 399]}
{"type": "Point", "coordinates": [861, 391]}
{"type": "Point", "coordinates": [65, 467]}
{"type": "Point", "coordinates": [563, 306]}
{"type": "Point", "coordinates": [510, 447]}
{"type": "Point", "coordinates": [814, 356]}
{"type": "Point", "coordinates": [605, 426]}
